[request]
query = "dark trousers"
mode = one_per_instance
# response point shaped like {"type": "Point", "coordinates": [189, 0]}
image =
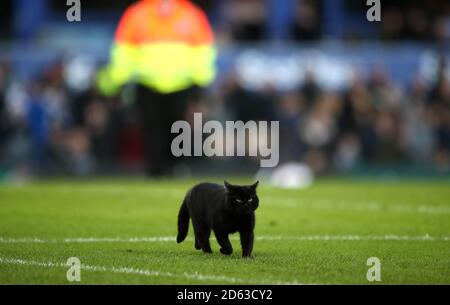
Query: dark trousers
{"type": "Point", "coordinates": [158, 112]}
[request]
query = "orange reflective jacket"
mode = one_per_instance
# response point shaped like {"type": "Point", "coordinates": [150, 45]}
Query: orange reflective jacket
{"type": "Point", "coordinates": [167, 45]}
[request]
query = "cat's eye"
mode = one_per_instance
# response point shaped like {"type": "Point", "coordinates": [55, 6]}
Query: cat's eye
{"type": "Point", "coordinates": [250, 200]}
{"type": "Point", "coordinates": [238, 200]}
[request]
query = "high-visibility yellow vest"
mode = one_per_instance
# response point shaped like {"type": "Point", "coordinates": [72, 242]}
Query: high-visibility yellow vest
{"type": "Point", "coordinates": [167, 45]}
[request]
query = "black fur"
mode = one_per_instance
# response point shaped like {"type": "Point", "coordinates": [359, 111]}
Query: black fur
{"type": "Point", "coordinates": [224, 209]}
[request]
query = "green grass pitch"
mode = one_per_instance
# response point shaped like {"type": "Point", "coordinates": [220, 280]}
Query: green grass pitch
{"type": "Point", "coordinates": [123, 232]}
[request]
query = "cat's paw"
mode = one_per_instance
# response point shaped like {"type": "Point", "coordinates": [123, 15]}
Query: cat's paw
{"type": "Point", "coordinates": [226, 251]}
{"type": "Point", "coordinates": [247, 257]}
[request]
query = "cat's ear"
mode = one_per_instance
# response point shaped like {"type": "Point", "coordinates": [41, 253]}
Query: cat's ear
{"type": "Point", "coordinates": [255, 185]}
{"type": "Point", "coordinates": [227, 185]}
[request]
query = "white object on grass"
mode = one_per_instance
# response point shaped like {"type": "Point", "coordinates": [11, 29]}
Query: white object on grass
{"type": "Point", "coordinates": [288, 175]}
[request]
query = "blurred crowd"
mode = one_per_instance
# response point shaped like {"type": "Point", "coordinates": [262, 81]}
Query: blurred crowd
{"type": "Point", "coordinates": [246, 20]}
{"type": "Point", "coordinates": [372, 122]}
{"type": "Point", "coordinates": [48, 128]}
{"type": "Point", "coordinates": [252, 20]}
{"type": "Point", "coordinates": [418, 21]}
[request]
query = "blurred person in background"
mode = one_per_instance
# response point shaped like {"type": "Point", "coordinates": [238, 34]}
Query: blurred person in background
{"type": "Point", "coordinates": [306, 25]}
{"type": "Point", "coordinates": [3, 84]}
{"type": "Point", "coordinates": [166, 46]}
{"type": "Point", "coordinates": [245, 19]}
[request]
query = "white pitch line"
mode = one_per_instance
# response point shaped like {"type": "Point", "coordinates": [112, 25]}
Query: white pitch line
{"type": "Point", "coordinates": [163, 239]}
{"type": "Point", "coordinates": [144, 272]}
{"type": "Point", "coordinates": [356, 237]}
{"type": "Point", "coordinates": [119, 239]}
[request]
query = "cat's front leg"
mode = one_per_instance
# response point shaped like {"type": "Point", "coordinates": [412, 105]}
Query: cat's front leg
{"type": "Point", "coordinates": [224, 242]}
{"type": "Point", "coordinates": [247, 238]}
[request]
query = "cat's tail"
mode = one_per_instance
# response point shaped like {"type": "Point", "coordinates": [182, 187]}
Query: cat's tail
{"type": "Point", "coordinates": [183, 222]}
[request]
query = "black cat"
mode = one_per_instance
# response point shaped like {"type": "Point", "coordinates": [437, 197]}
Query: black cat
{"type": "Point", "coordinates": [224, 209]}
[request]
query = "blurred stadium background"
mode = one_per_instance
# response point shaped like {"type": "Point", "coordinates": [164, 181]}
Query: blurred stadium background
{"type": "Point", "coordinates": [352, 97]}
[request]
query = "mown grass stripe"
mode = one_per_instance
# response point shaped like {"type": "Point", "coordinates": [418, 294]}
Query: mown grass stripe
{"type": "Point", "coordinates": [145, 272]}
{"type": "Point", "coordinates": [153, 239]}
